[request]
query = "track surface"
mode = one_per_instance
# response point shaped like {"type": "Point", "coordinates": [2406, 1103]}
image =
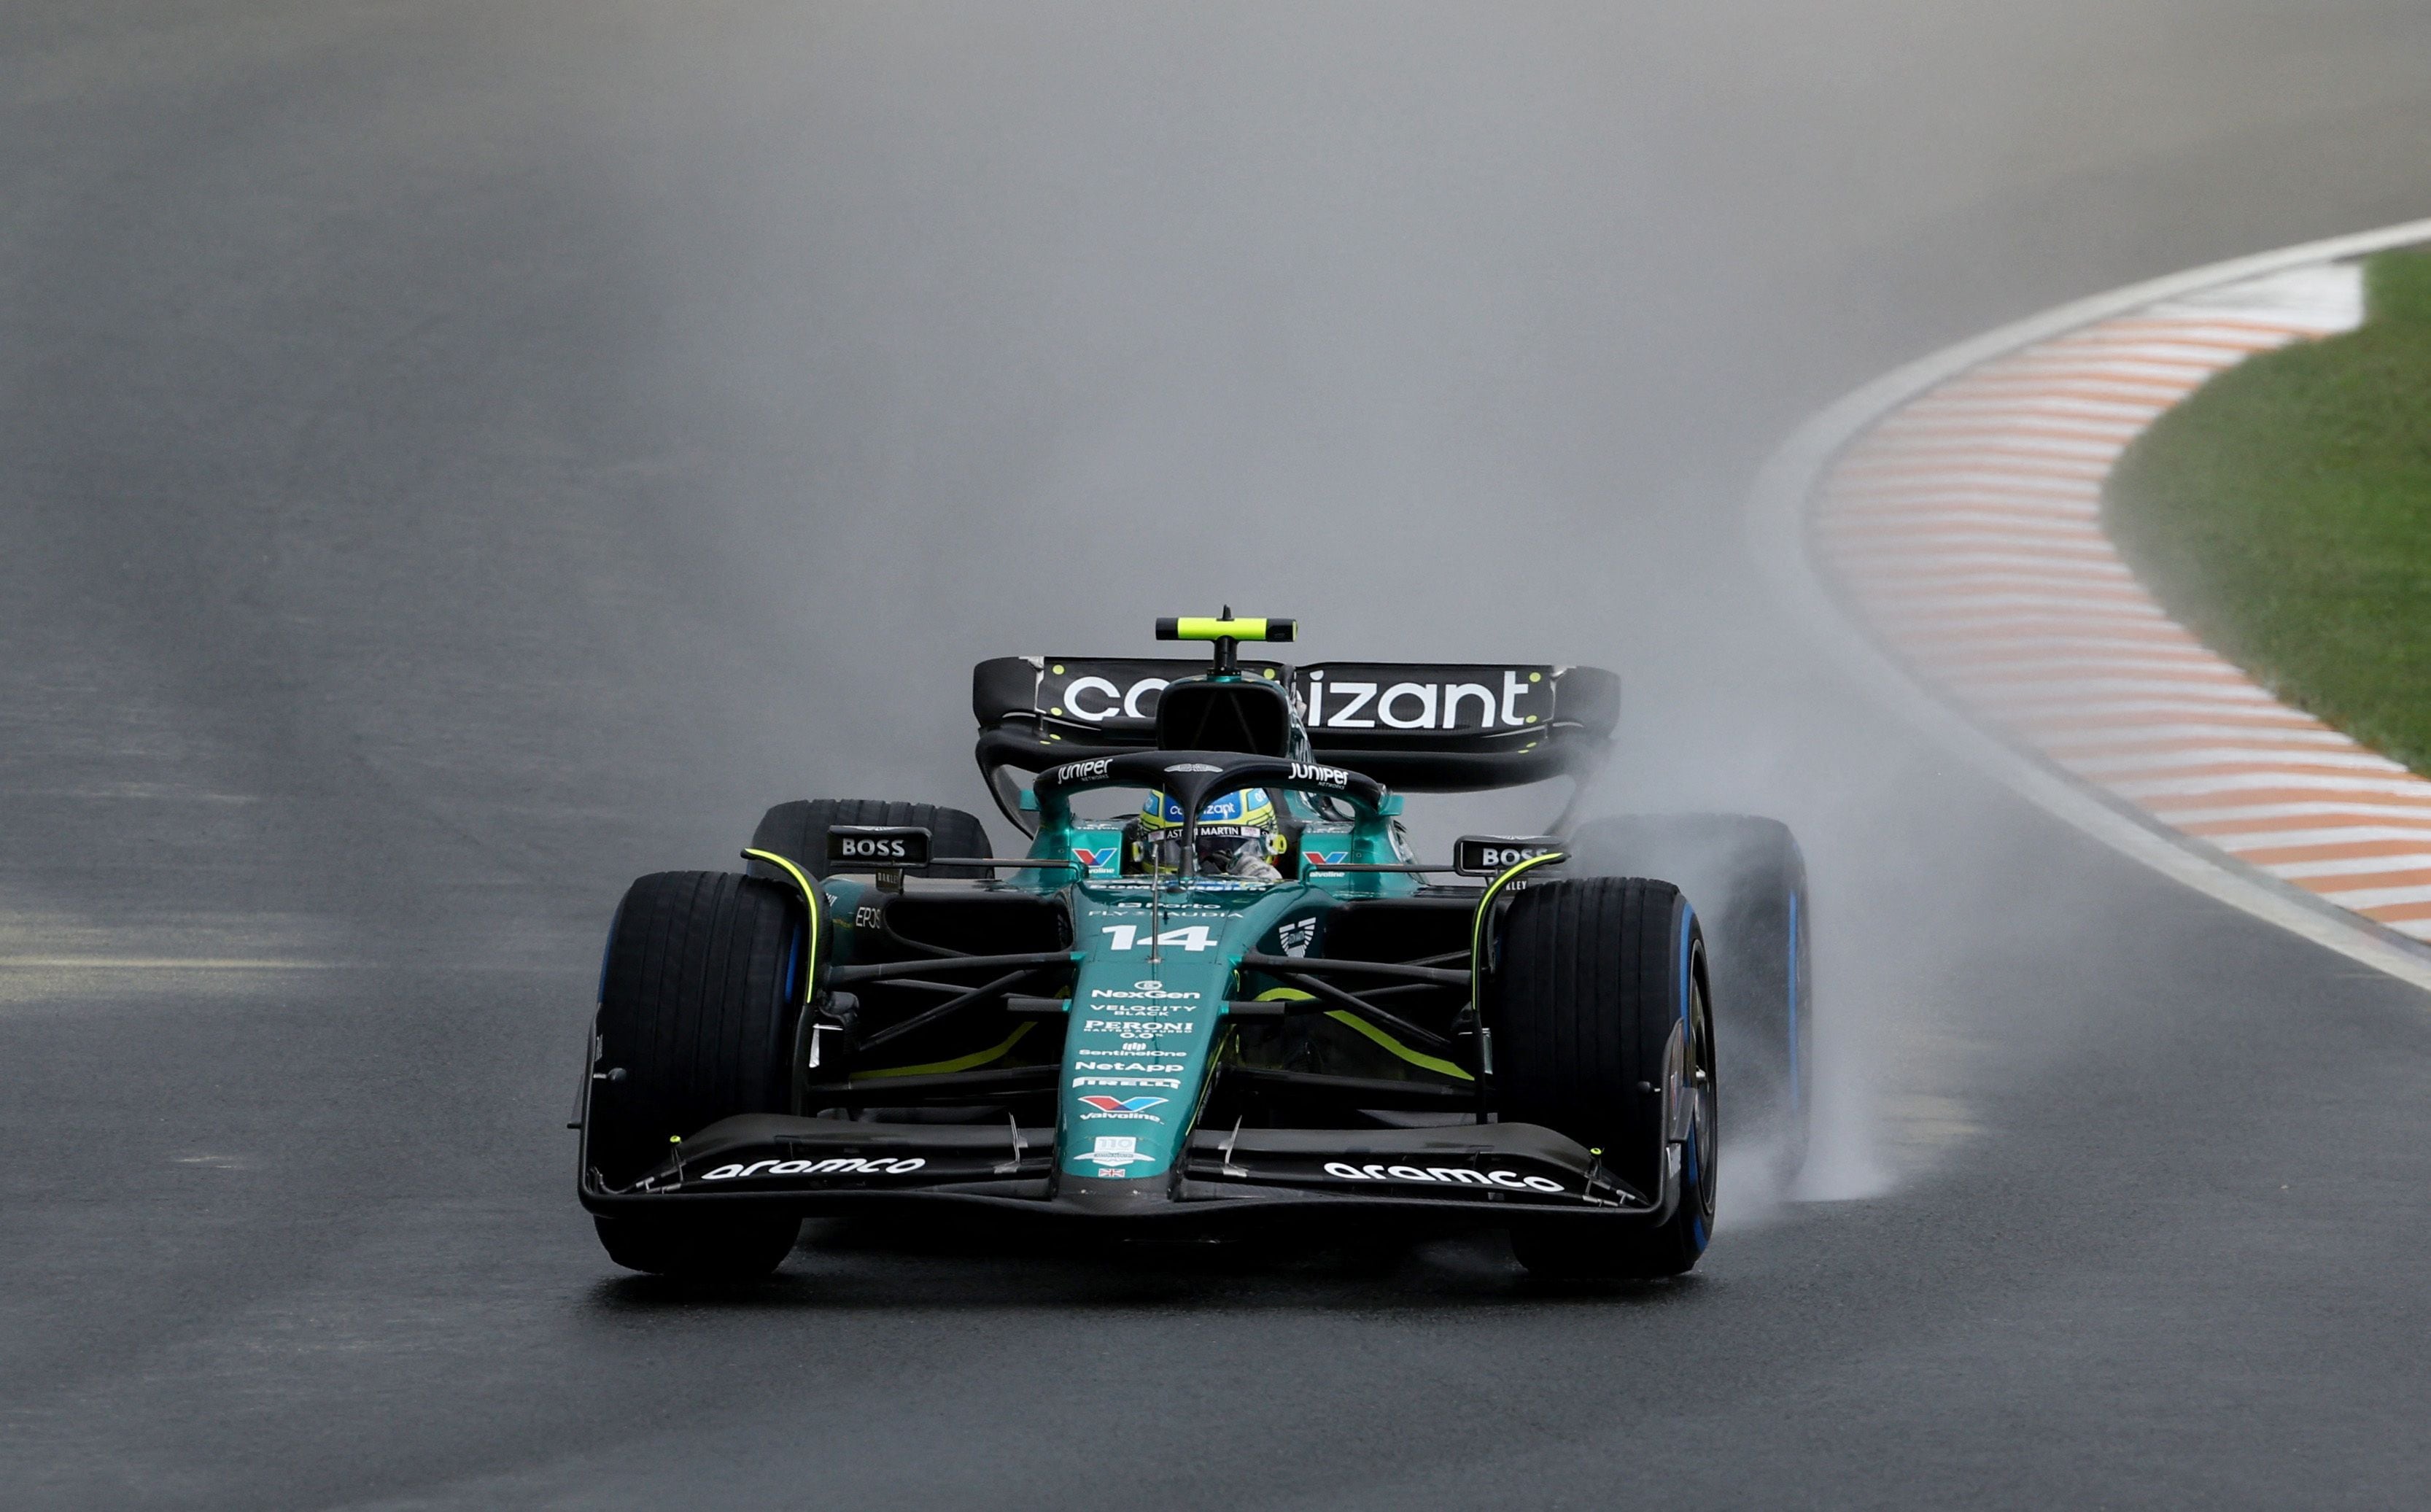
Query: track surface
{"type": "Point", "coordinates": [454, 458]}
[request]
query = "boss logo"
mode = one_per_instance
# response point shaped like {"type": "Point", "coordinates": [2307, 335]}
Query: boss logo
{"type": "Point", "coordinates": [1491, 856]}
{"type": "Point", "coordinates": [1082, 771]}
{"type": "Point", "coordinates": [876, 845]}
{"type": "Point", "coordinates": [1322, 776]}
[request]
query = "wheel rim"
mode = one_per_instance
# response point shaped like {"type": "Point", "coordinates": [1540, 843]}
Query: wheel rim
{"type": "Point", "coordinates": [1701, 1158]}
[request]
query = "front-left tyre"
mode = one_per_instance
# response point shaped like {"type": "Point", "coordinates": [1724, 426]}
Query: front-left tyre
{"type": "Point", "coordinates": [696, 1008]}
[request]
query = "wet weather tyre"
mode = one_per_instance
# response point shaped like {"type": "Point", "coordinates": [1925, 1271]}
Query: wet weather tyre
{"type": "Point", "coordinates": [1593, 977]}
{"type": "Point", "coordinates": [696, 1019]}
{"type": "Point", "coordinates": [1746, 876]}
{"type": "Point", "coordinates": [797, 831]}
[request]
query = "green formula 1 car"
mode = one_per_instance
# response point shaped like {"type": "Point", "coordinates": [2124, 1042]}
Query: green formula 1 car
{"type": "Point", "coordinates": [1242, 1001]}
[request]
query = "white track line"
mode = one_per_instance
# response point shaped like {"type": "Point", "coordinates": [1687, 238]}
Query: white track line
{"type": "Point", "coordinates": [1957, 503]}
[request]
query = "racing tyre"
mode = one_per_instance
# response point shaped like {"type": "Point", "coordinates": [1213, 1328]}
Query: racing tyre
{"type": "Point", "coordinates": [696, 1016]}
{"type": "Point", "coordinates": [1596, 975]}
{"type": "Point", "coordinates": [1747, 880]}
{"type": "Point", "coordinates": [797, 831]}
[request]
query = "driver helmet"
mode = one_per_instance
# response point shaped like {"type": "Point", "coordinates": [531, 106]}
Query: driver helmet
{"type": "Point", "coordinates": [1237, 835]}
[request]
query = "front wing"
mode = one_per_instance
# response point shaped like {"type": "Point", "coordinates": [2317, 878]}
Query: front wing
{"type": "Point", "coordinates": [1483, 1173]}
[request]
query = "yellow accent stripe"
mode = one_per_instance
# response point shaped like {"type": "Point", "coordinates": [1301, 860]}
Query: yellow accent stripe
{"type": "Point", "coordinates": [960, 1063]}
{"type": "Point", "coordinates": [814, 904]}
{"type": "Point", "coordinates": [1477, 931]}
{"type": "Point", "coordinates": [1345, 1015]}
{"type": "Point", "coordinates": [1191, 628]}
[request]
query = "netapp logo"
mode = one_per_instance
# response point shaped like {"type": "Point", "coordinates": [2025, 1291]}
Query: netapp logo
{"type": "Point", "coordinates": [840, 1165]}
{"type": "Point", "coordinates": [1442, 1176]}
{"type": "Point", "coordinates": [1349, 702]}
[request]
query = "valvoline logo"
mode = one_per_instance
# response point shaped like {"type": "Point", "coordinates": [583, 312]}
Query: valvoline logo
{"type": "Point", "coordinates": [1097, 859]}
{"type": "Point", "coordinates": [1107, 1104]}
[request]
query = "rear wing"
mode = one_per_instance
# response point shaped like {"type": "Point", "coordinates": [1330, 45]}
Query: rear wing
{"type": "Point", "coordinates": [1423, 726]}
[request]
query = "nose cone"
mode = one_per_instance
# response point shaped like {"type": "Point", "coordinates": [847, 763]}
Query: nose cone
{"type": "Point", "coordinates": [1113, 1197]}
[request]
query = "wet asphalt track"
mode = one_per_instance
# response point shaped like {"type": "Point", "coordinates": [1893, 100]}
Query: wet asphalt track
{"type": "Point", "coordinates": [455, 457]}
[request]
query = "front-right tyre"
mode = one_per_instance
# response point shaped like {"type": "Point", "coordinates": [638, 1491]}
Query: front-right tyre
{"type": "Point", "coordinates": [697, 1004]}
{"type": "Point", "coordinates": [1746, 876]}
{"type": "Point", "coordinates": [1597, 980]}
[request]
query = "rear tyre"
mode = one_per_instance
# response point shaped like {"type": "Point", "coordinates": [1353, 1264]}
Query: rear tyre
{"type": "Point", "coordinates": [797, 831]}
{"type": "Point", "coordinates": [696, 1019]}
{"type": "Point", "coordinates": [1596, 978]}
{"type": "Point", "coordinates": [1746, 878]}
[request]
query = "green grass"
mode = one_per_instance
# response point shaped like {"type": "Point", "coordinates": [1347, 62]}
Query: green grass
{"type": "Point", "coordinates": [2283, 514]}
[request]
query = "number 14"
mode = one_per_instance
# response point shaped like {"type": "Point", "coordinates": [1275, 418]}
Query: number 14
{"type": "Point", "coordinates": [1127, 936]}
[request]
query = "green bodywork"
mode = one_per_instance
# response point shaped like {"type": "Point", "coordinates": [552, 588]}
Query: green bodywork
{"type": "Point", "coordinates": [1148, 1020]}
{"type": "Point", "coordinates": [1155, 966]}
